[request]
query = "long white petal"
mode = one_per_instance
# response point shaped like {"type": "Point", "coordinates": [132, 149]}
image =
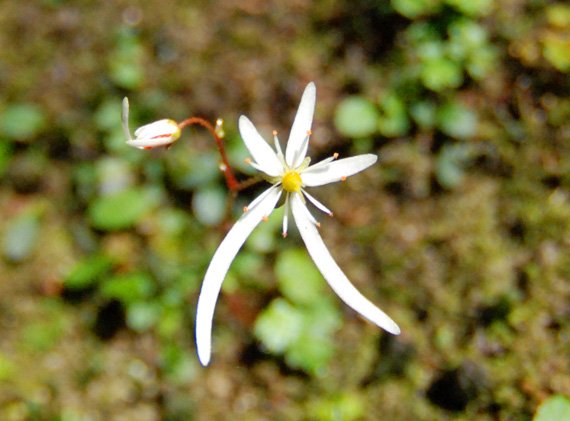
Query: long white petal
{"type": "Point", "coordinates": [259, 149]}
{"type": "Point", "coordinates": [219, 266]}
{"type": "Point", "coordinates": [336, 170]}
{"type": "Point", "coordinates": [333, 274]}
{"type": "Point", "coordinates": [297, 144]}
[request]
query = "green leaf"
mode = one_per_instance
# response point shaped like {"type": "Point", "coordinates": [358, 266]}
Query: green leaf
{"type": "Point", "coordinates": [472, 7]}
{"type": "Point", "coordinates": [414, 8]}
{"type": "Point", "coordinates": [440, 74]}
{"type": "Point", "coordinates": [88, 271]}
{"type": "Point", "coordinates": [22, 121]}
{"type": "Point", "coordinates": [456, 120]}
{"type": "Point", "coordinates": [424, 114]}
{"type": "Point", "coordinates": [46, 330]}
{"type": "Point", "coordinates": [5, 156]}
{"type": "Point", "coordinates": [555, 408]}
{"type": "Point", "coordinates": [108, 115]}
{"type": "Point", "coordinates": [7, 368]}
{"type": "Point", "coordinates": [555, 50]}
{"type": "Point", "coordinates": [346, 406]}
{"type": "Point", "coordinates": [298, 278]}
{"type": "Point", "coordinates": [314, 348]}
{"type": "Point", "coordinates": [126, 67]}
{"type": "Point", "coordinates": [279, 326]}
{"type": "Point", "coordinates": [394, 120]}
{"type": "Point", "coordinates": [128, 288]}
{"type": "Point", "coordinates": [122, 210]}
{"type": "Point", "coordinates": [356, 117]}
{"type": "Point", "coordinates": [142, 316]}
{"type": "Point", "coordinates": [209, 205]}
{"type": "Point", "coordinates": [21, 236]}
{"type": "Point", "coordinates": [450, 162]}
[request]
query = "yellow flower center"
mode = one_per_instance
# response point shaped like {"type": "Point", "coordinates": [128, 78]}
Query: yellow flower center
{"type": "Point", "coordinates": [291, 181]}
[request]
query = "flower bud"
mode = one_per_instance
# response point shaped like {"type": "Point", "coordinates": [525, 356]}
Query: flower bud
{"type": "Point", "coordinates": [160, 133]}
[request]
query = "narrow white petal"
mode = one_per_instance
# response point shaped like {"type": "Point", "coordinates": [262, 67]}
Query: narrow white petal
{"type": "Point", "coordinates": [285, 215]}
{"type": "Point", "coordinates": [297, 144]}
{"type": "Point", "coordinates": [219, 266]}
{"type": "Point", "coordinates": [317, 204]}
{"type": "Point", "coordinates": [336, 170]}
{"type": "Point", "coordinates": [259, 149]}
{"type": "Point", "coordinates": [333, 274]}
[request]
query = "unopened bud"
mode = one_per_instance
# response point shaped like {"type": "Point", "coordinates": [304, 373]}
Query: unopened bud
{"type": "Point", "coordinates": [160, 133]}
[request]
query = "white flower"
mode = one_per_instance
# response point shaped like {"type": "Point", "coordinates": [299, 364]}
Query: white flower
{"type": "Point", "coordinates": [160, 133]}
{"type": "Point", "coordinates": [290, 174]}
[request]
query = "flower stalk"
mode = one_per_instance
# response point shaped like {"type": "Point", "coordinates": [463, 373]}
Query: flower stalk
{"type": "Point", "coordinates": [163, 133]}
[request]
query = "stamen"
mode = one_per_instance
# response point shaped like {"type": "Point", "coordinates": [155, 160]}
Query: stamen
{"type": "Point", "coordinates": [219, 129]}
{"type": "Point", "coordinates": [306, 210]}
{"type": "Point", "coordinates": [335, 155]}
{"type": "Point", "coordinates": [278, 149]}
{"type": "Point", "coordinates": [343, 178]}
{"type": "Point", "coordinates": [322, 163]}
{"type": "Point", "coordinates": [284, 234]}
{"type": "Point", "coordinates": [264, 218]}
{"type": "Point", "coordinates": [318, 204]}
{"type": "Point", "coordinates": [318, 224]}
{"type": "Point", "coordinates": [222, 167]}
{"type": "Point", "coordinates": [309, 132]}
{"type": "Point", "coordinates": [245, 209]}
{"type": "Point", "coordinates": [247, 161]}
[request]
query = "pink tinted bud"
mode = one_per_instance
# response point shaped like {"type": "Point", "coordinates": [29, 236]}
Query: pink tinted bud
{"type": "Point", "coordinates": [153, 135]}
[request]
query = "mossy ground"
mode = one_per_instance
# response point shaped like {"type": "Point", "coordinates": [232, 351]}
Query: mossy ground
{"type": "Point", "coordinates": [472, 261]}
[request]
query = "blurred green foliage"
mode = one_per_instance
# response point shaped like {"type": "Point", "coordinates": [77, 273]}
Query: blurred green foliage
{"type": "Point", "coordinates": [554, 408]}
{"type": "Point", "coordinates": [460, 233]}
{"type": "Point", "coordinates": [300, 325]}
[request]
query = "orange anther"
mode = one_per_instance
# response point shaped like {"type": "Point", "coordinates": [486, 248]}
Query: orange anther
{"type": "Point", "coordinates": [247, 161]}
{"type": "Point", "coordinates": [265, 218]}
{"type": "Point", "coordinates": [245, 209]}
{"type": "Point", "coordinates": [274, 132]}
{"type": "Point", "coordinates": [335, 155]}
{"type": "Point", "coordinates": [284, 234]}
{"type": "Point", "coordinates": [309, 132]}
{"type": "Point", "coordinates": [318, 224]}
{"type": "Point", "coordinates": [343, 178]}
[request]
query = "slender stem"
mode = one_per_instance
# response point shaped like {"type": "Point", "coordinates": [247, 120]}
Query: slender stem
{"type": "Point", "coordinates": [231, 180]}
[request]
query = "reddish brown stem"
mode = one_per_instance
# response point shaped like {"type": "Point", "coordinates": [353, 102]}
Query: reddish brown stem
{"type": "Point", "coordinates": [231, 180]}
